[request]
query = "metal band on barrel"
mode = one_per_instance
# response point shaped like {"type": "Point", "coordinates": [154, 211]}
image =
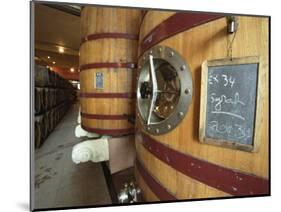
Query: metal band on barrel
{"type": "Point", "coordinates": [115, 35]}
{"type": "Point", "coordinates": [176, 23]}
{"type": "Point", "coordinates": [109, 131]}
{"type": "Point", "coordinates": [143, 14]}
{"type": "Point", "coordinates": [105, 116]}
{"type": "Point", "coordinates": [107, 65]}
{"type": "Point", "coordinates": [108, 95]}
{"type": "Point", "coordinates": [154, 186]}
{"type": "Point", "coordinates": [227, 180]}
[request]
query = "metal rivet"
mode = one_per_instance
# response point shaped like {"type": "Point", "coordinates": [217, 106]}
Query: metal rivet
{"type": "Point", "coordinates": [169, 126]}
{"type": "Point", "coordinates": [172, 107]}
{"type": "Point", "coordinates": [171, 54]}
{"type": "Point", "coordinates": [157, 130]}
{"type": "Point", "coordinates": [186, 91]}
{"type": "Point", "coordinates": [181, 113]}
{"type": "Point", "coordinates": [182, 67]}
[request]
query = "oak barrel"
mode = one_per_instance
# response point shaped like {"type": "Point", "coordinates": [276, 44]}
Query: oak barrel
{"type": "Point", "coordinates": [41, 76]}
{"type": "Point", "coordinates": [39, 130]}
{"type": "Point", "coordinates": [37, 134]}
{"type": "Point", "coordinates": [37, 100]}
{"type": "Point", "coordinates": [108, 57]}
{"type": "Point", "coordinates": [49, 121]}
{"type": "Point", "coordinates": [176, 165]}
{"type": "Point", "coordinates": [45, 126]}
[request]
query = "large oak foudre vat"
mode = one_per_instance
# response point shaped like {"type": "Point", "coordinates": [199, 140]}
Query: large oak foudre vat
{"type": "Point", "coordinates": [171, 162]}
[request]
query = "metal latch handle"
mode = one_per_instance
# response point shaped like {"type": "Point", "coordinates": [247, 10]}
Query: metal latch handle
{"type": "Point", "coordinates": [154, 88]}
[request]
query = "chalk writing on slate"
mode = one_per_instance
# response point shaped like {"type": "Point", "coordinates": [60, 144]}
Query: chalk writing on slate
{"type": "Point", "coordinates": [231, 103]}
{"type": "Point", "coordinates": [99, 80]}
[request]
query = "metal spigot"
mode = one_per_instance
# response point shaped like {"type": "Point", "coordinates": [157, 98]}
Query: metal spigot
{"type": "Point", "coordinates": [129, 194]}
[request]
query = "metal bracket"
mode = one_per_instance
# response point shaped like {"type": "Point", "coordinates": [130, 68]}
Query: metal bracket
{"type": "Point", "coordinates": [232, 24]}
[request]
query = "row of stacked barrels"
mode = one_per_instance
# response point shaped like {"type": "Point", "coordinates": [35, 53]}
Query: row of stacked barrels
{"type": "Point", "coordinates": [53, 96]}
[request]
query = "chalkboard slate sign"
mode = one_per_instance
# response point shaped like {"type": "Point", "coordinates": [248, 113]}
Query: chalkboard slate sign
{"type": "Point", "coordinates": [229, 101]}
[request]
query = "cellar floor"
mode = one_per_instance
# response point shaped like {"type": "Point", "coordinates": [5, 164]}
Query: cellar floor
{"type": "Point", "coordinates": [58, 181]}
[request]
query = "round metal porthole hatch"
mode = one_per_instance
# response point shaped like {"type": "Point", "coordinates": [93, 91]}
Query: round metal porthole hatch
{"type": "Point", "coordinates": [164, 89]}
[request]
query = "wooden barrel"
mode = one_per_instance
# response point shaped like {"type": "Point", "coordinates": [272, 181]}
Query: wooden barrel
{"type": "Point", "coordinates": [108, 56]}
{"type": "Point", "coordinates": [52, 98]}
{"type": "Point", "coordinates": [56, 96]}
{"type": "Point", "coordinates": [176, 165]}
{"type": "Point", "coordinates": [41, 76]}
{"type": "Point", "coordinates": [37, 100]}
{"type": "Point", "coordinates": [37, 134]}
{"type": "Point", "coordinates": [44, 99]}
{"type": "Point", "coordinates": [45, 126]}
{"type": "Point", "coordinates": [53, 119]}
{"type": "Point", "coordinates": [49, 121]}
{"type": "Point", "coordinates": [57, 117]}
{"type": "Point", "coordinates": [48, 97]}
{"type": "Point", "coordinates": [39, 130]}
{"type": "Point", "coordinates": [59, 96]}
{"type": "Point", "coordinates": [53, 78]}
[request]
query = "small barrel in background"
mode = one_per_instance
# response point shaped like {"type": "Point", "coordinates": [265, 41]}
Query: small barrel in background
{"type": "Point", "coordinates": [108, 57]}
{"type": "Point", "coordinates": [176, 165]}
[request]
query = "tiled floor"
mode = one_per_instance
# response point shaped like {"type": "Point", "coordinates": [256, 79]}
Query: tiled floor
{"type": "Point", "coordinates": [58, 181]}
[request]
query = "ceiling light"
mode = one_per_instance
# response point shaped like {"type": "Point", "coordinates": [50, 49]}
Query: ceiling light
{"type": "Point", "coordinates": [72, 69]}
{"type": "Point", "coordinates": [48, 57]}
{"type": "Point", "coordinates": [51, 68]}
{"type": "Point", "coordinates": [61, 50]}
{"type": "Point", "coordinates": [54, 62]}
{"type": "Point", "coordinates": [47, 67]}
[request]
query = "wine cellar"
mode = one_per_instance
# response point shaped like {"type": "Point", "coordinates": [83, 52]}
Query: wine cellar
{"type": "Point", "coordinates": [134, 105]}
